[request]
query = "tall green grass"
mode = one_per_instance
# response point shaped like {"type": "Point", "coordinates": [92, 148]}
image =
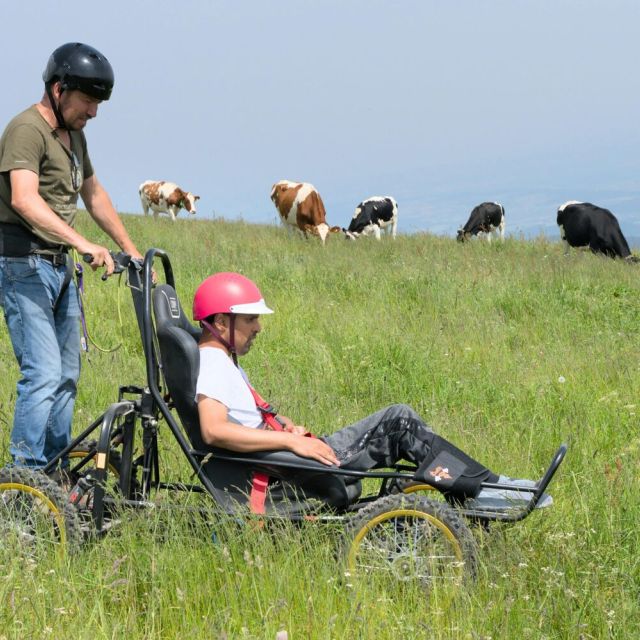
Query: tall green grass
{"type": "Point", "coordinates": [507, 350]}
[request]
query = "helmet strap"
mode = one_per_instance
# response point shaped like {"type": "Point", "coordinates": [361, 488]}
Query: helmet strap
{"type": "Point", "coordinates": [56, 107]}
{"type": "Point", "coordinates": [229, 346]}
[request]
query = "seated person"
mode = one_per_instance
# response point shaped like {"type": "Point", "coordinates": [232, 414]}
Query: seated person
{"type": "Point", "coordinates": [228, 307]}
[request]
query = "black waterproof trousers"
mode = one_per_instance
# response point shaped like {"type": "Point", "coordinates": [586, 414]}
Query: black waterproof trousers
{"type": "Point", "coordinates": [397, 433]}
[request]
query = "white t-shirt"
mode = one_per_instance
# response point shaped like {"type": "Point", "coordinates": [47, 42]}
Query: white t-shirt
{"type": "Point", "coordinates": [219, 379]}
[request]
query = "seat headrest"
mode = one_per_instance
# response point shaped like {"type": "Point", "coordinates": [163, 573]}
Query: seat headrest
{"type": "Point", "coordinates": [168, 311]}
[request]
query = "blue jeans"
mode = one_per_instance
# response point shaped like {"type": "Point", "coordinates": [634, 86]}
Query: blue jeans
{"type": "Point", "coordinates": [46, 344]}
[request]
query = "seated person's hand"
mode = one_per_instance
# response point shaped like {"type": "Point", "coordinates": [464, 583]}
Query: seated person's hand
{"type": "Point", "coordinates": [291, 427]}
{"type": "Point", "coordinates": [315, 449]}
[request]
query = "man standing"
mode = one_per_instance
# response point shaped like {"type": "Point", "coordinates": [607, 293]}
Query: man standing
{"type": "Point", "coordinates": [44, 166]}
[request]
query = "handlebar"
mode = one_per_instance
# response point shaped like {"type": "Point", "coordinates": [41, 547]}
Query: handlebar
{"type": "Point", "coordinates": [121, 262]}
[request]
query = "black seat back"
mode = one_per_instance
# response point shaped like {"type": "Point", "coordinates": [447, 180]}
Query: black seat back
{"type": "Point", "coordinates": [180, 358]}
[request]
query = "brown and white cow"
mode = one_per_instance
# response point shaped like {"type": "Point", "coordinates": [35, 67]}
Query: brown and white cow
{"type": "Point", "coordinates": [300, 205]}
{"type": "Point", "coordinates": [165, 197]}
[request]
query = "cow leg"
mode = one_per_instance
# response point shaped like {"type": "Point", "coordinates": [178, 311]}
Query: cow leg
{"type": "Point", "coordinates": [567, 246]}
{"type": "Point", "coordinates": [394, 228]}
{"type": "Point", "coordinates": [376, 231]}
{"type": "Point", "coordinates": [172, 214]}
{"type": "Point", "coordinates": [597, 246]}
{"type": "Point", "coordinates": [502, 227]}
{"type": "Point", "coordinates": [155, 214]}
{"type": "Point", "coordinates": [308, 229]}
{"type": "Point", "coordinates": [145, 207]}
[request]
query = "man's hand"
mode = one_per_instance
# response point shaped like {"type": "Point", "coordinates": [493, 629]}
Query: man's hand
{"type": "Point", "coordinates": [101, 256]}
{"type": "Point", "coordinates": [315, 449]}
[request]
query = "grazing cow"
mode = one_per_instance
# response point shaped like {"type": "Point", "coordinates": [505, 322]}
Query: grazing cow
{"type": "Point", "coordinates": [300, 206]}
{"type": "Point", "coordinates": [486, 218]}
{"type": "Point", "coordinates": [165, 197]}
{"type": "Point", "coordinates": [583, 224]}
{"type": "Point", "coordinates": [373, 214]}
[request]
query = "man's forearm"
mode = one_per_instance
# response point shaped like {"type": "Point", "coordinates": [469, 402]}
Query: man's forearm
{"type": "Point", "coordinates": [40, 216]}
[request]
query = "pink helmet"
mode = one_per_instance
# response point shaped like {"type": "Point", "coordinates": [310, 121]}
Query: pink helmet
{"type": "Point", "coordinates": [228, 293]}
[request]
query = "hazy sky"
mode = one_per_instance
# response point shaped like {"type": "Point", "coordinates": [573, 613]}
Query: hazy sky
{"type": "Point", "coordinates": [442, 104]}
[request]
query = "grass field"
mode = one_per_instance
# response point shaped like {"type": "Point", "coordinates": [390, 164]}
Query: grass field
{"type": "Point", "coordinates": [505, 349]}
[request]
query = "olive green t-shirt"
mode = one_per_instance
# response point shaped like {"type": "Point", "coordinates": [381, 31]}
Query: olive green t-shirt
{"type": "Point", "coordinates": [30, 143]}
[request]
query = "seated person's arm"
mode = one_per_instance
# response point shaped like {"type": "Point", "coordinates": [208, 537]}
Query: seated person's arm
{"type": "Point", "coordinates": [218, 431]}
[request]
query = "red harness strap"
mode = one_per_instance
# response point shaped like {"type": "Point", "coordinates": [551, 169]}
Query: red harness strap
{"type": "Point", "coordinates": [260, 480]}
{"type": "Point", "coordinates": [268, 412]}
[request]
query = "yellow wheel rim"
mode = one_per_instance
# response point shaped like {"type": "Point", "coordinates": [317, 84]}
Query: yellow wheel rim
{"type": "Point", "coordinates": [45, 501]}
{"type": "Point", "coordinates": [406, 513]}
{"type": "Point", "coordinates": [414, 488]}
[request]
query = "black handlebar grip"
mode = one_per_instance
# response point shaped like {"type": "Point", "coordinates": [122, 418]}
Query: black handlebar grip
{"type": "Point", "coordinates": [88, 258]}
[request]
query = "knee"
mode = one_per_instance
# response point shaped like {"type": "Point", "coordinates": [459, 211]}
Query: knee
{"type": "Point", "coordinates": [409, 416]}
{"type": "Point", "coordinates": [44, 377]}
{"type": "Point", "coordinates": [405, 411]}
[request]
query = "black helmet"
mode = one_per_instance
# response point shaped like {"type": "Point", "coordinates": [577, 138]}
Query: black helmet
{"type": "Point", "coordinates": [79, 66]}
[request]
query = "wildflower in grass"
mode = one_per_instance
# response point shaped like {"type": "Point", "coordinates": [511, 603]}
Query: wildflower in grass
{"type": "Point", "coordinates": [116, 565]}
{"type": "Point", "coordinates": [562, 379]}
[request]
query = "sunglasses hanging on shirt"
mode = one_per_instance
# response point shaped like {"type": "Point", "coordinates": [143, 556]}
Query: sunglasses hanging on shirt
{"type": "Point", "coordinates": [76, 172]}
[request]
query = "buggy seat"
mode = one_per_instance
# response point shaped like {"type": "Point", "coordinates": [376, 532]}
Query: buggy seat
{"type": "Point", "coordinates": [289, 489]}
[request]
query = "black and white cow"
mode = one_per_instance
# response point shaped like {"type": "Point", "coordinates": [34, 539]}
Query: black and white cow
{"type": "Point", "coordinates": [583, 224]}
{"type": "Point", "coordinates": [372, 215]}
{"type": "Point", "coordinates": [487, 218]}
